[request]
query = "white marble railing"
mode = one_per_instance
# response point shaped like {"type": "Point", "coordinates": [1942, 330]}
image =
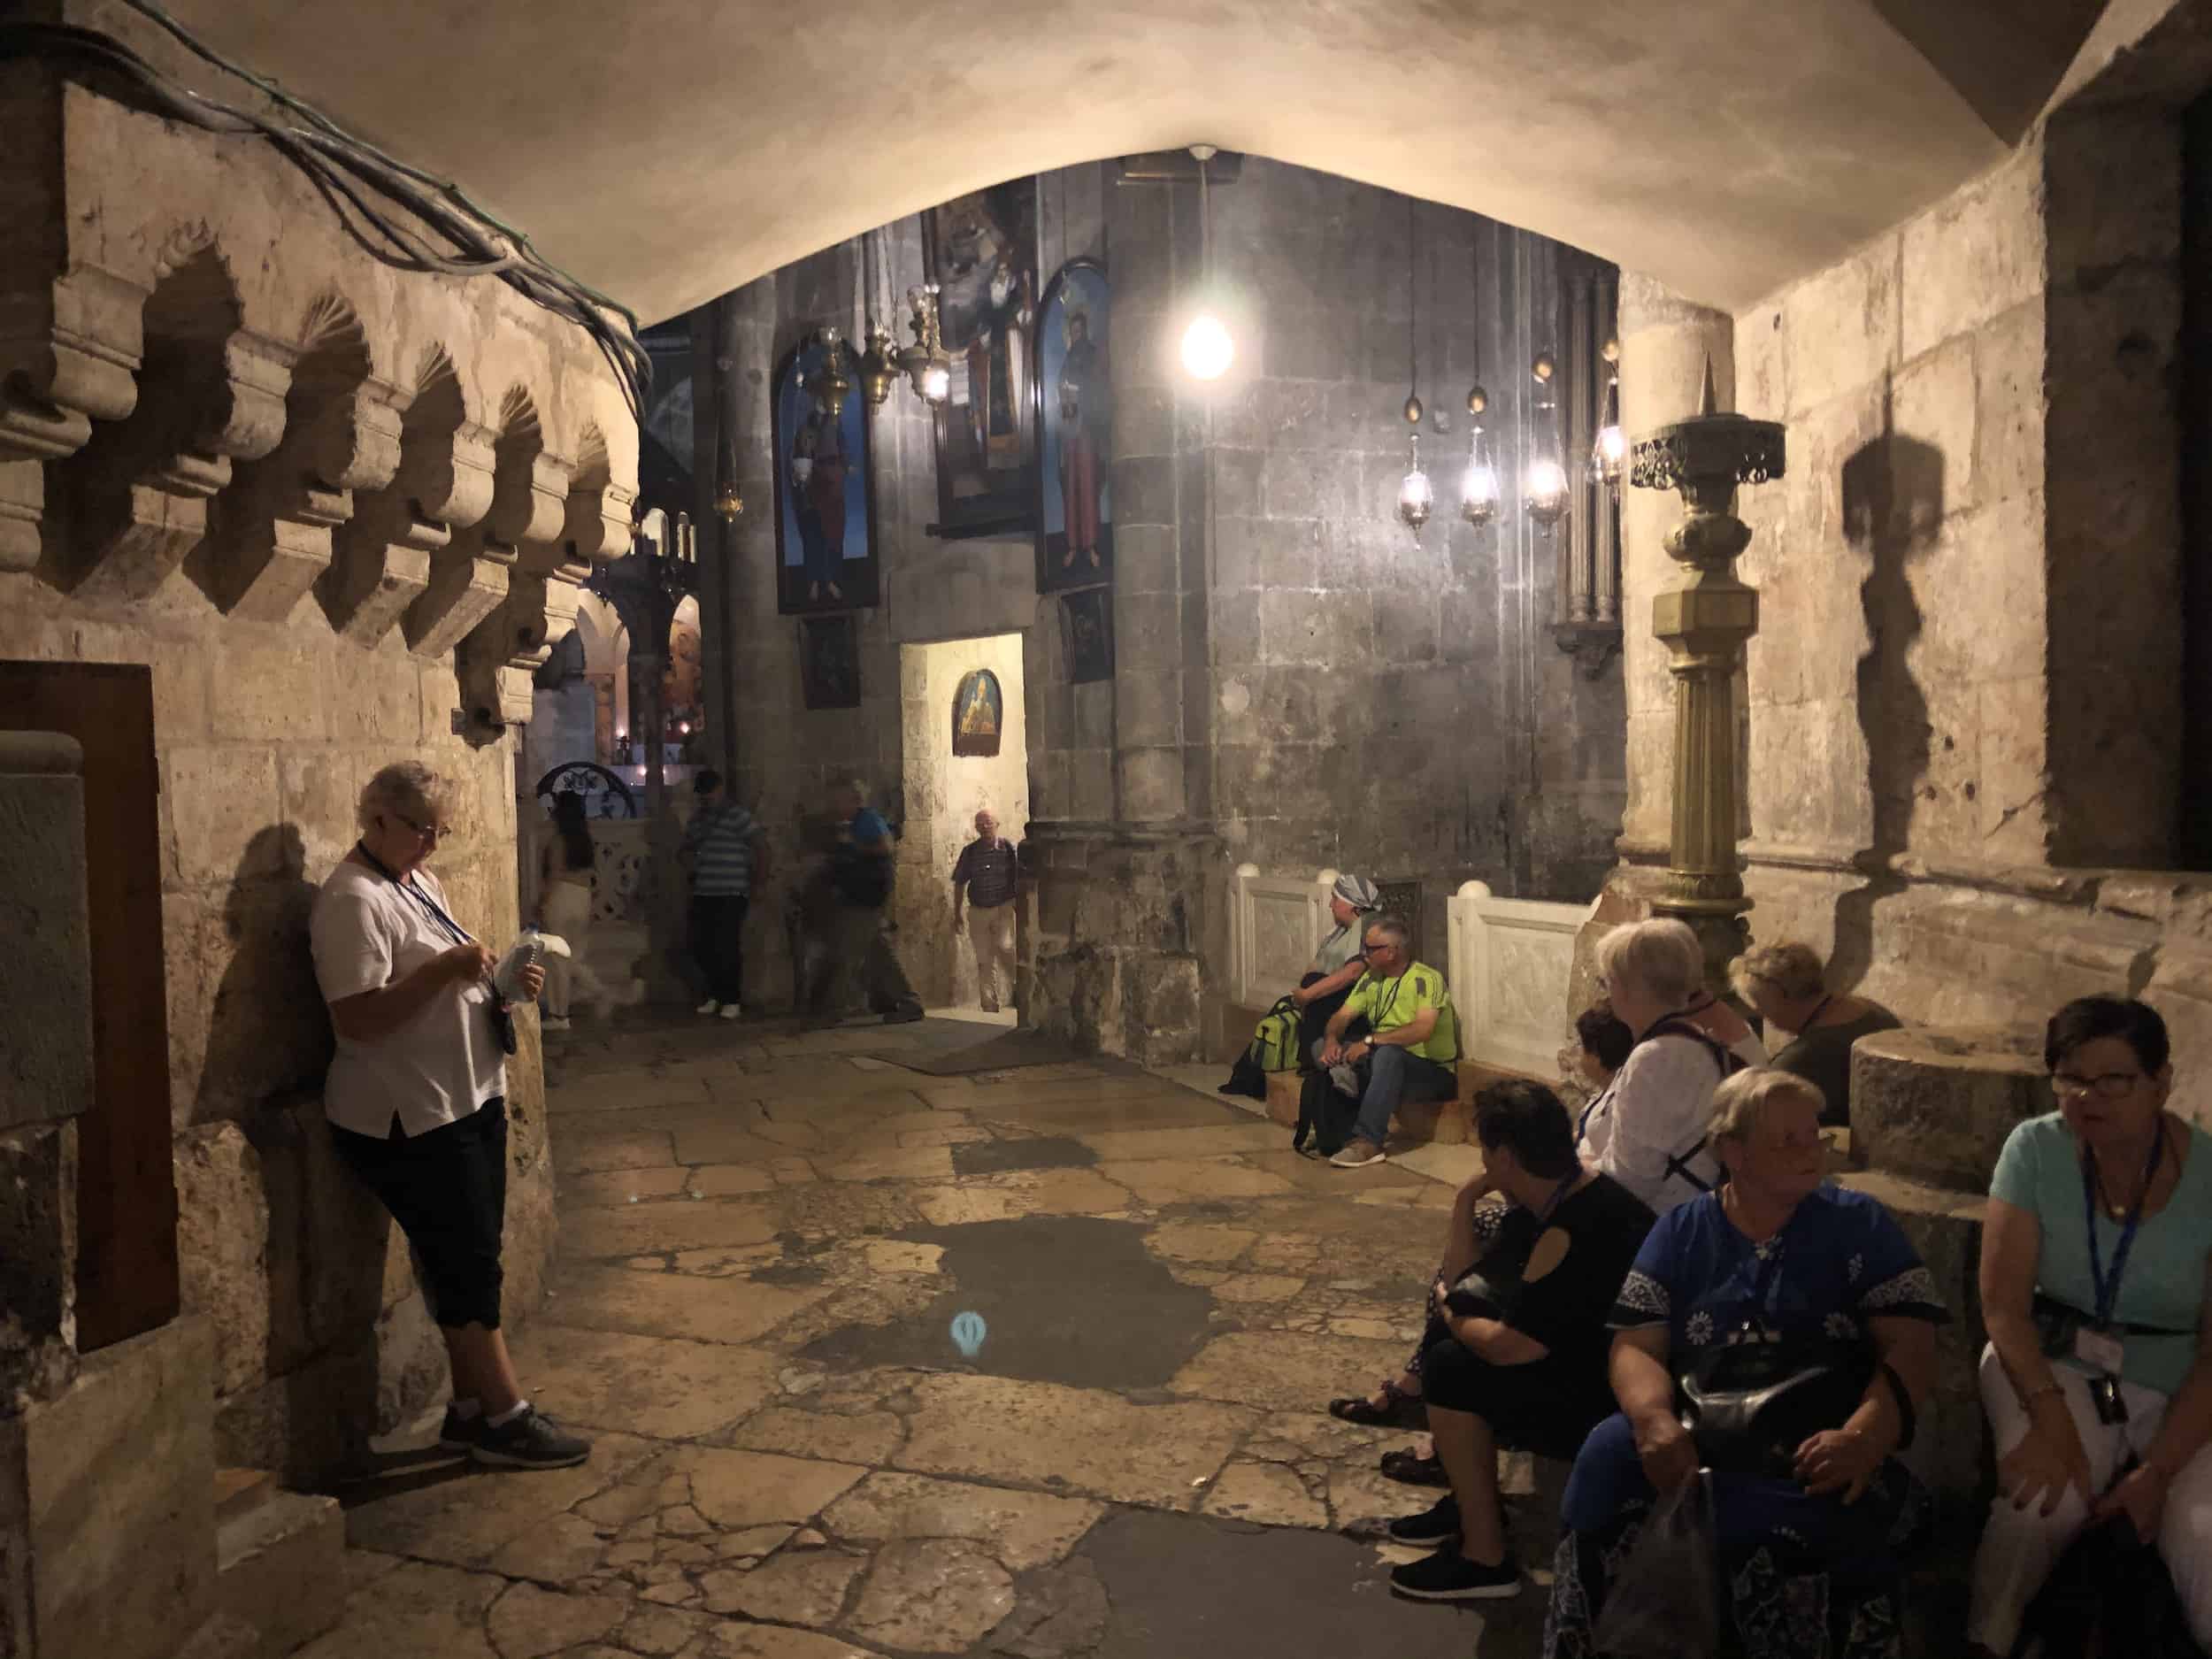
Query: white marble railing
{"type": "Point", "coordinates": [1276, 924]}
{"type": "Point", "coordinates": [1510, 962]}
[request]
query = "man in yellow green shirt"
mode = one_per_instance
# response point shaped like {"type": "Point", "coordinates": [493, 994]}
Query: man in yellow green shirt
{"type": "Point", "coordinates": [1410, 1049]}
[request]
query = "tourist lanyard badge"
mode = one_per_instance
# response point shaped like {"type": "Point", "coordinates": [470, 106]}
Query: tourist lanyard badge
{"type": "Point", "coordinates": [2099, 1345]}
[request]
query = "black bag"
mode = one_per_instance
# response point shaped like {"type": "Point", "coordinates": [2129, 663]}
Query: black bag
{"type": "Point", "coordinates": [1750, 1405]}
{"type": "Point", "coordinates": [2111, 1594]}
{"type": "Point", "coordinates": [1324, 1114]}
{"type": "Point", "coordinates": [1665, 1597]}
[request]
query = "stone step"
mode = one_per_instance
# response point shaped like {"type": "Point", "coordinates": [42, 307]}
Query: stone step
{"type": "Point", "coordinates": [277, 1554]}
{"type": "Point", "coordinates": [239, 1490]}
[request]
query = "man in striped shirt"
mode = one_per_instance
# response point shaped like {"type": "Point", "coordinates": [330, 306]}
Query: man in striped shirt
{"type": "Point", "coordinates": [725, 851]}
{"type": "Point", "coordinates": [985, 878]}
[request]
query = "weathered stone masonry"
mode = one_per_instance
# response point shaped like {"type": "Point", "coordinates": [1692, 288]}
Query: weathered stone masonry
{"type": "Point", "coordinates": [338, 512]}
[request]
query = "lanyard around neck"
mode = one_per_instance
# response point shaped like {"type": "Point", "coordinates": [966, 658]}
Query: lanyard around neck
{"type": "Point", "coordinates": [429, 906]}
{"type": "Point", "coordinates": [2108, 1289]}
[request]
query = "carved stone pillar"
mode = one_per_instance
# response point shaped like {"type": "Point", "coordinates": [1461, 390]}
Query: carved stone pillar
{"type": "Point", "coordinates": [1705, 621]}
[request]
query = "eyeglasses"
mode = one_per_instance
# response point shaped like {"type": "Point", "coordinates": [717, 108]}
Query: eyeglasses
{"type": "Point", "coordinates": [2108, 1085]}
{"type": "Point", "coordinates": [1369, 950]}
{"type": "Point", "coordinates": [433, 833]}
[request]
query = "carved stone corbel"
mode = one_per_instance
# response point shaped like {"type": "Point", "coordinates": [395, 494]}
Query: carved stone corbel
{"type": "Point", "coordinates": [68, 356]}
{"type": "Point", "coordinates": [141, 489]}
{"type": "Point", "coordinates": [277, 523]}
{"type": "Point", "coordinates": [530, 510]}
{"type": "Point", "coordinates": [598, 528]}
{"type": "Point", "coordinates": [384, 558]}
{"type": "Point", "coordinates": [468, 576]}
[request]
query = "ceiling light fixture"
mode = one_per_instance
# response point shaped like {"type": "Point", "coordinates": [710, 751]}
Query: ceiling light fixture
{"type": "Point", "coordinates": [1208, 351]}
{"type": "Point", "coordinates": [1416, 497]}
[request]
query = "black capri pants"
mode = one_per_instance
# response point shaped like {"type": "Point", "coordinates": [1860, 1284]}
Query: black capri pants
{"type": "Point", "coordinates": [1548, 1407]}
{"type": "Point", "coordinates": [447, 1188]}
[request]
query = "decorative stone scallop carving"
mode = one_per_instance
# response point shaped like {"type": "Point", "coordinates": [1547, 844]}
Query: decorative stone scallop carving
{"type": "Point", "coordinates": [276, 521]}
{"type": "Point", "coordinates": [141, 489]}
{"type": "Point", "coordinates": [68, 356]}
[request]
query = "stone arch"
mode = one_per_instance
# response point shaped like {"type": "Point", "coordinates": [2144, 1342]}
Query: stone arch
{"type": "Point", "coordinates": [598, 526]}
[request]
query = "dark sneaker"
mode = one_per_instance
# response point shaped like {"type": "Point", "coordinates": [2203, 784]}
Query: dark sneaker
{"type": "Point", "coordinates": [533, 1441]}
{"type": "Point", "coordinates": [1439, 1523]}
{"type": "Point", "coordinates": [1448, 1575]}
{"type": "Point", "coordinates": [459, 1433]}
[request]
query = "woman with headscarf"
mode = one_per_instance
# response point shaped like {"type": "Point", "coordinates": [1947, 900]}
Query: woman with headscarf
{"type": "Point", "coordinates": [1329, 977]}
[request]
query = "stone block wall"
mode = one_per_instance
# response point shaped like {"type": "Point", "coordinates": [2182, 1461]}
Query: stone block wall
{"type": "Point", "coordinates": [266, 732]}
{"type": "Point", "coordinates": [333, 511]}
{"type": "Point", "coordinates": [1296, 682]}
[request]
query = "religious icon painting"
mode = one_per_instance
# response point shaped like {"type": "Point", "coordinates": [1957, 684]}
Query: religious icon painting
{"type": "Point", "coordinates": [1075, 520]}
{"type": "Point", "coordinates": [977, 714]}
{"type": "Point", "coordinates": [980, 250]}
{"type": "Point", "coordinates": [829, 663]}
{"type": "Point", "coordinates": [1087, 619]}
{"type": "Point", "coordinates": [826, 521]}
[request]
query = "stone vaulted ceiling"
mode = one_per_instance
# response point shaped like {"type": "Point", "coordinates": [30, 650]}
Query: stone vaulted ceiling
{"type": "Point", "coordinates": [667, 150]}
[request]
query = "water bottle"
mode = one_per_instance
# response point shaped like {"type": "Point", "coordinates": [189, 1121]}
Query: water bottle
{"type": "Point", "coordinates": [527, 951]}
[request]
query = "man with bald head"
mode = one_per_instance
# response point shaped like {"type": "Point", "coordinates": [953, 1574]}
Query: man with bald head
{"type": "Point", "coordinates": [984, 880]}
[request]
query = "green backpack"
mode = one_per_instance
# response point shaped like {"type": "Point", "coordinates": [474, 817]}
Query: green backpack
{"type": "Point", "coordinates": [1275, 1039]}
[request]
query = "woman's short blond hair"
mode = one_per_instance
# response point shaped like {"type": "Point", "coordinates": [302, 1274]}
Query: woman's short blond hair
{"type": "Point", "coordinates": [1740, 1105]}
{"type": "Point", "coordinates": [1662, 955]}
{"type": "Point", "coordinates": [407, 788]}
{"type": "Point", "coordinates": [1793, 968]}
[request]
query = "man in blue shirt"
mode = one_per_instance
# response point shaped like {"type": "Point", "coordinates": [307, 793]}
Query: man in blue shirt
{"type": "Point", "coordinates": [860, 878]}
{"type": "Point", "coordinates": [725, 852]}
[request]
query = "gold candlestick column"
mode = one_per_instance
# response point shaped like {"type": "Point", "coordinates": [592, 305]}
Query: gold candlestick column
{"type": "Point", "coordinates": [1705, 621]}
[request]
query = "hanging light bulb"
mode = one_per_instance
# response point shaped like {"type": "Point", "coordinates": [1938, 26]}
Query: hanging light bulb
{"type": "Point", "coordinates": [1544, 486]}
{"type": "Point", "coordinates": [1609, 449]}
{"type": "Point", "coordinates": [1208, 349]}
{"type": "Point", "coordinates": [1479, 490]}
{"type": "Point", "coordinates": [1416, 497]}
{"type": "Point", "coordinates": [1208, 352]}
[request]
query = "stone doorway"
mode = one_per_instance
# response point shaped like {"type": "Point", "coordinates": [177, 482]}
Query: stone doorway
{"type": "Point", "coordinates": [945, 696]}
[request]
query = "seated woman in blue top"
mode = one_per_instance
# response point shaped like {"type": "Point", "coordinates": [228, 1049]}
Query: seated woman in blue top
{"type": "Point", "coordinates": [1776, 1273]}
{"type": "Point", "coordinates": [2098, 1376]}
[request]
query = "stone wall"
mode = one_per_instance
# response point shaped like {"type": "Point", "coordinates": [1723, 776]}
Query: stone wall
{"type": "Point", "coordinates": [1297, 681]}
{"type": "Point", "coordinates": [334, 511]}
{"type": "Point", "coordinates": [943, 793]}
{"type": "Point", "coordinates": [1965, 777]}
{"type": "Point", "coordinates": [266, 732]}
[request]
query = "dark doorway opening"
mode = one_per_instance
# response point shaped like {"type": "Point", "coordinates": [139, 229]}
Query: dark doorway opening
{"type": "Point", "coordinates": [127, 1190]}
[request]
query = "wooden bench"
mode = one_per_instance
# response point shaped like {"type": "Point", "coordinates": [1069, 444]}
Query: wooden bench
{"type": "Point", "coordinates": [1448, 1123]}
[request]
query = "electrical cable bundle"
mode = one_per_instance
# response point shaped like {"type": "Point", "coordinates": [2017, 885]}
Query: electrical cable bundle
{"type": "Point", "coordinates": [348, 173]}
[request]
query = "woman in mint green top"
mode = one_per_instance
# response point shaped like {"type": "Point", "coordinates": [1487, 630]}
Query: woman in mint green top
{"type": "Point", "coordinates": [2095, 1272]}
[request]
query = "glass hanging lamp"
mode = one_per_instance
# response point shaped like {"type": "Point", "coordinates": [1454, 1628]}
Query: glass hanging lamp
{"type": "Point", "coordinates": [1415, 497]}
{"type": "Point", "coordinates": [1479, 493]}
{"type": "Point", "coordinates": [1609, 449]}
{"type": "Point", "coordinates": [1544, 485]}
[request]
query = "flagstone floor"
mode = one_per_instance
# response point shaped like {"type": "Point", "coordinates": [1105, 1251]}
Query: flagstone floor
{"type": "Point", "coordinates": [1028, 1362]}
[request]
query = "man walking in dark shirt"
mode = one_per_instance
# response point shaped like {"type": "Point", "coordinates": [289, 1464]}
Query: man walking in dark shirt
{"type": "Point", "coordinates": [984, 880]}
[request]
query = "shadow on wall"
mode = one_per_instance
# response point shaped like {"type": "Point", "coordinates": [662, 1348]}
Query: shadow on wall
{"type": "Point", "coordinates": [1893, 512]}
{"type": "Point", "coordinates": [283, 1248]}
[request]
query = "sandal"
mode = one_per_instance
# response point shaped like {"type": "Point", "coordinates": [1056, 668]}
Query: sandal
{"type": "Point", "coordinates": [1408, 1468]}
{"type": "Point", "coordinates": [1399, 1409]}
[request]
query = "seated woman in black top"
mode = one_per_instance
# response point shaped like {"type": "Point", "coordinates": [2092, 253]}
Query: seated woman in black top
{"type": "Point", "coordinates": [1515, 1351]}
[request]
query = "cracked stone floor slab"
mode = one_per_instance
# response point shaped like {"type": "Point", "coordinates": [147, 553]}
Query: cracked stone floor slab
{"type": "Point", "coordinates": [878, 1362]}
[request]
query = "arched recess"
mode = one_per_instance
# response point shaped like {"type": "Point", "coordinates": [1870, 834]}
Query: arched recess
{"type": "Point", "coordinates": [599, 509]}
{"type": "Point", "coordinates": [383, 555]}
{"type": "Point", "coordinates": [270, 538]}
{"type": "Point", "coordinates": [208, 393]}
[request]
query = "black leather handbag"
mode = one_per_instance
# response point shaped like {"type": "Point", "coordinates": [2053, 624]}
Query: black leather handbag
{"type": "Point", "coordinates": [1750, 1405]}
